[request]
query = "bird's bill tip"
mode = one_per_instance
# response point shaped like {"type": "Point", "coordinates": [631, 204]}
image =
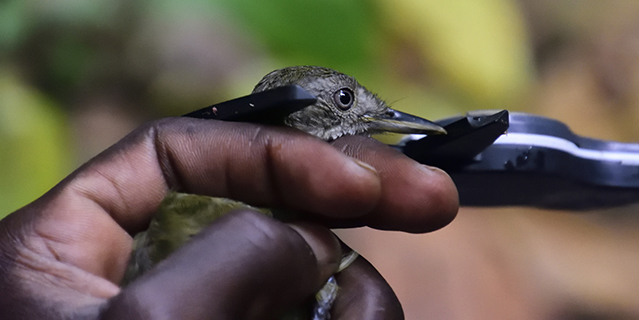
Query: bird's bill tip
{"type": "Point", "coordinates": [400, 122]}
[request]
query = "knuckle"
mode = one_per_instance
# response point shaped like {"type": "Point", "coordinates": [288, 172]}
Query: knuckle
{"type": "Point", "coordinates": [267, 235]}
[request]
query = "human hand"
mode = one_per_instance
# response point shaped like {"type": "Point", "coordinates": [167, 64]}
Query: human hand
{"type": "Point", "coordinates": [63, 255]}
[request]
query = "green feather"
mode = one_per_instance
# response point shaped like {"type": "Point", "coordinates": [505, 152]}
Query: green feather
{"type": "Point", "coordinates": [179, 217]}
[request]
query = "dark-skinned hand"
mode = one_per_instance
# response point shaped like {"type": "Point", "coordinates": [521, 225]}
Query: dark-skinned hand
{"type": "Point", "coordinates": [62, 256]}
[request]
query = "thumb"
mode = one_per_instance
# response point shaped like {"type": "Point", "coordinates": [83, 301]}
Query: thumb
{"type": "Point", "coordinates": [243, 266]}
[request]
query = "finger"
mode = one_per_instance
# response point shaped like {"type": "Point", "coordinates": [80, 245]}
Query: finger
{"type": "Point", "coordinates": [244, 266]}
{"type": "Point", "coordinates": [264, 166]}
{"type": "Point", "coordinates": [84, 220]}
{"type": "Point", "coordinates": [364, 294]}
{"type": "Point", "coordinates": [414, 197]}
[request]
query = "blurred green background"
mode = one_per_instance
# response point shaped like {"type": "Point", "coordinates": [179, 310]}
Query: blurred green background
{"type": "Point", "coordinates": [76, 76]}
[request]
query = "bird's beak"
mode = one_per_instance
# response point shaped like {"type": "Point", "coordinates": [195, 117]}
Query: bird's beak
{"type": "Point", "coordinates": [400, 122]}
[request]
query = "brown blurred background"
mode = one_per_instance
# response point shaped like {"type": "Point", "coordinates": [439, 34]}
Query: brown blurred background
{"type": "Point", "coordinates": [77, 76]}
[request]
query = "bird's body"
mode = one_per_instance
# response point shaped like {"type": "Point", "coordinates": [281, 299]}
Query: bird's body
{"type": "Point", "coordinates": [343, 107]}
{"type": "Point", "coordinates": [179, 217]}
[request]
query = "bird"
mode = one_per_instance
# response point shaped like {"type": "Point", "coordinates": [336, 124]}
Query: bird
{"type": "Point", "coordinates": [343, 107]}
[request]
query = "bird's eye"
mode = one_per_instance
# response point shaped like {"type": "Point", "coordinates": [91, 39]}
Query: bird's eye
{"type": "Point", "coordinates": [344, 98]}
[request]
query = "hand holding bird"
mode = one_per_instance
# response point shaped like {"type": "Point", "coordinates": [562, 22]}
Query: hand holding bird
{"type": "Point", "coordinates": [343, 107]}
{"type": "Point", "coordinates": [63, 255]}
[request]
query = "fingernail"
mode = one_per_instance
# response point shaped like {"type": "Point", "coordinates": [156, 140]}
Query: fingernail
{"type": "Point", "coordinates": [430, 170]}
{"type": "Point", "coordinates": [325, 246]}
{"type": "Point", "coordinates": [365, 165]}
{"type": "Point", "coordinates": [347, 260]}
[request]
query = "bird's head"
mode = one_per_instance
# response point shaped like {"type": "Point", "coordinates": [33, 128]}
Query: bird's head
{"type": "Point", "coordinates": [343, 107]}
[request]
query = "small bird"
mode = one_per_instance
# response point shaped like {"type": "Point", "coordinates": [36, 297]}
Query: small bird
{"type": "Point", "coordinates": [343, 107]}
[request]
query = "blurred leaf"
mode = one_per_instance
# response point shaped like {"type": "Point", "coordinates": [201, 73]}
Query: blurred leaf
{"type": "Point", "coordinates": [33, 145]}
{"type": "Point", "coordinates": [335, 33]}
{"type": "Point", "coordinates": [72, 60]}
{"type": "Point", "coordinates": [480, 47]}
{"type": "Point", "coordinates": [13, 24]}
{"type": "Point", "coordinates": [80, 14]}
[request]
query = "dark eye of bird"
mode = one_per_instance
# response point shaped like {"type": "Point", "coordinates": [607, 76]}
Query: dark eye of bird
{"type": "Point", "coordinates": [344, 98]}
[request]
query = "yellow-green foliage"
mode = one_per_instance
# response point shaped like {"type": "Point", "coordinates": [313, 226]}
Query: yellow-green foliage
{"type": "Point", "coordinates": [34, 146]}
